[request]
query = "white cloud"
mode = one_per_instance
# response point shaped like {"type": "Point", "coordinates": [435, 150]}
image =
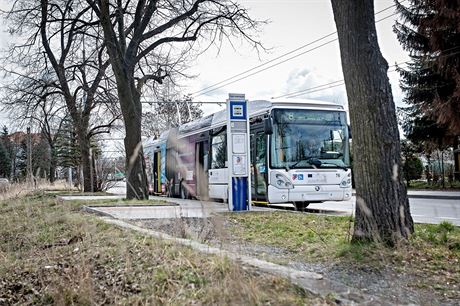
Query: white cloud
{"type": "Point", "coordinates": [308, 83]}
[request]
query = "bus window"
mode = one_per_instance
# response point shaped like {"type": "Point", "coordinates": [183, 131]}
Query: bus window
{"type": "Point", "coordinates": [219, 151]}
{"type": "Point", "coordinates": [260, 163]}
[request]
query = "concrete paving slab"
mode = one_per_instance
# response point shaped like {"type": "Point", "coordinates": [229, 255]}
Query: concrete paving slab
{"type": "Point", "coordinates": [180, 209]}
{"type": "Point", "coordinates": [151, 212]}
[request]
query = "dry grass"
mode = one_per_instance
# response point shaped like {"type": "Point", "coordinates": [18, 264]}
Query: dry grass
{"type": "Point", "coordinates": [95, 202]}
{"type": "Point", "coordinates": [51, 253]}
{"type": "Point", "coordinates": [19, 190]}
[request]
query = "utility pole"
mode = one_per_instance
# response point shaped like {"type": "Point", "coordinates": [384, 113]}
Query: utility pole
{"type": "Point", "coordinates": [29, 157]}
{"type": "Point", "coordinates": [91, 168]}
{"type": "Point", "coordinates": [189, 111]}
{"type": "Point", "coordinates": [70, 177]}
{"type": "Point", "coordinates": [178, 112]}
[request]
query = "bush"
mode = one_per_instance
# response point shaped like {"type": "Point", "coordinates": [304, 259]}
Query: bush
{"type": "Point", "coordinates": [413, 169]}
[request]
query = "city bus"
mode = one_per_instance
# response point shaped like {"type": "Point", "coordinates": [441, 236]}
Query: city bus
{"type": "Point", "coordinates": [299, 155]}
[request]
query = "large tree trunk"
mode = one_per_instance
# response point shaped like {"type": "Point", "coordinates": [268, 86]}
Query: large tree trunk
{"type": "Point", "coordinates": [136, 187]}
{"type": "Point", "coordinates": [85, 162]}
{"type": "Point", "coordinates": [131, 108]}
{"type": "Point", "coordinates": [382, 206]}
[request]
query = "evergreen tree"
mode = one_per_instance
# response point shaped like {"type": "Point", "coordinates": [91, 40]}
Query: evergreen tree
{"type": "Point", "coordinates": [5, 153]}
{"type": "Point", "coordinates": [21, 160]}
{"type": "Point", "coordinates": [412, 165]}
{"type": "Point", "coordinates": [5, 162]}
{"type": "Point", "coordinates": [429, 31]}
{"type": "Point", "coordinates": [66, 146]}
{"type": "Point", "coordinates": [431, 34]}
{"type": "Point", "coordinates": [41, 158]}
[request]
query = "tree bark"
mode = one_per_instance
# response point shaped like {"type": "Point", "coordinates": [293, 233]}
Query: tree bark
{"type": "Point", "coordinates": [131, 107]}
{"type": "Point", "coordinates": [137, 186]}
{"type": "Point", "coordinates": [382, 206]}
{"type": "Point", "coordinates": [84, 145]}
{"type": "Point", "coordinates": [53, 163]}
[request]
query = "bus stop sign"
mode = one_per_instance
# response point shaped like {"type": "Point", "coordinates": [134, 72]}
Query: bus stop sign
{"type": "Point", "coordinates": [238, 153]}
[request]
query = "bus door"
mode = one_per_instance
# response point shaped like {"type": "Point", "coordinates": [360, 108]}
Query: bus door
{"type": "Point", "coordinates": [201, 169]}
{"type": "Point", "coordinates": [157, 173]}
{"type": "Point", "coordinates": [259, 167]}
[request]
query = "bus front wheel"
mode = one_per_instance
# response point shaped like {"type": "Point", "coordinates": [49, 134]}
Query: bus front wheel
{"type": "Point", "coordinates": [301, 206]}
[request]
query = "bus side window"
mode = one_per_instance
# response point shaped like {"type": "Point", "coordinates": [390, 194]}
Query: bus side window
{"type": "Point", "coordinates": [219, 151]}
{"type": "Point", "coordinates": [261, 152]}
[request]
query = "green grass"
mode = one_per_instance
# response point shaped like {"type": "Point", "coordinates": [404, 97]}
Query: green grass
{"type": "Point", "coordinates": [51, 253]}
{"type": "Point", "coordinates": [301, 234]}
{"type": "Point", "coordinates": [432, 255]}
{"type": "Point", "coordinates": [438, 186]}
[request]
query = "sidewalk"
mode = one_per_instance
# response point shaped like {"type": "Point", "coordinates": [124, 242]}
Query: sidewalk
{"type": "Point", "coordinates": [174, 208]}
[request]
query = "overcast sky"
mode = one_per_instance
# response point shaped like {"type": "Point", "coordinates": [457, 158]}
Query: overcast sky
{"type": "Point", "coordinates": [293, 23]}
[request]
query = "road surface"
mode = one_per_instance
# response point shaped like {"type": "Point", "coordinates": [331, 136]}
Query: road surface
{"type": "Point", "coordinates": [422, 210]}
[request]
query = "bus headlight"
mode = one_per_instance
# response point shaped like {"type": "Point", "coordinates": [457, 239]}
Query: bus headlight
{"type": "Point", "coordinates": [346, 183]}
{"type": "Point", "coordinates": [281, 181]}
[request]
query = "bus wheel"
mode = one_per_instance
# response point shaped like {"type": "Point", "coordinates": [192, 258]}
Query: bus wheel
{"type": "Point", "coordinates": [301, 206]}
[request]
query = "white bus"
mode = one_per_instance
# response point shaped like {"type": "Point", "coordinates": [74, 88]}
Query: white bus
{"type": "Point", "coordinates": [299, 155]}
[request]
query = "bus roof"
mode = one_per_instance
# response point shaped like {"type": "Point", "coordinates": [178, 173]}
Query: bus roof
{"type": "Point", "coordinates": [255, 107]}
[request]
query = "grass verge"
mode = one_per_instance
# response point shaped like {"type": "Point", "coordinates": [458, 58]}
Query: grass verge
{"type": "Point", "coordinates": [422, 185]}
{"type": "Point", "coordinates": [51, 253]}
{"type": "Point", "coordinates": [431, 258]}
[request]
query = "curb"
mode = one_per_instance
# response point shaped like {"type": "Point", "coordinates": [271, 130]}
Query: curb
{"type": "Point", "coordinates": [96, 212]}
{"type": "Point", "coordinates": [422, 196]}
{"type": "Point", "coordinates": [310, 281]}
{"type": "Point", "coordinates": [441, 197]}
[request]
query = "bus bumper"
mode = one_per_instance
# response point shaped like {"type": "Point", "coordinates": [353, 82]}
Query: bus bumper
{"type": "Point", "coordinates": [309, 193]}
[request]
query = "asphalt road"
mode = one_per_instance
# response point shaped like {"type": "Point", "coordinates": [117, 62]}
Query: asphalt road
{"type": "Point", "coordinates": [426, 206]}
{"type": "Point", "coordinates": [423, 210]}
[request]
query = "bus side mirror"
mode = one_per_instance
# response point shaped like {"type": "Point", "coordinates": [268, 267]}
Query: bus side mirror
{"type": "Point", "coordinates": [349, 132]}
{"type": "Point", "coordinates": [268, 126]}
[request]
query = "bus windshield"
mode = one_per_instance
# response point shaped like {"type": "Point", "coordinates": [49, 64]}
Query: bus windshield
{"type": "Point", "coordinates": [309, 139]}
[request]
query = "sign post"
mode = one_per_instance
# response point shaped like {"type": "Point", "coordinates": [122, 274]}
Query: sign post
{"type": "Point", "coordinates": [238, 153]}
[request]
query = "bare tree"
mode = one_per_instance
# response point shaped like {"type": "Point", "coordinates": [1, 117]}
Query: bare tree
{"type": "Point", "coordinates": [32, 103]}
{"type": "Point", "coordinates": [382, 206]}
{"type": "Point", "coordinates": [65, 32]}
{"type": "Point", "coordinates": [170, 110]}
{"type": "Point", "coordinates": [145, 39]}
